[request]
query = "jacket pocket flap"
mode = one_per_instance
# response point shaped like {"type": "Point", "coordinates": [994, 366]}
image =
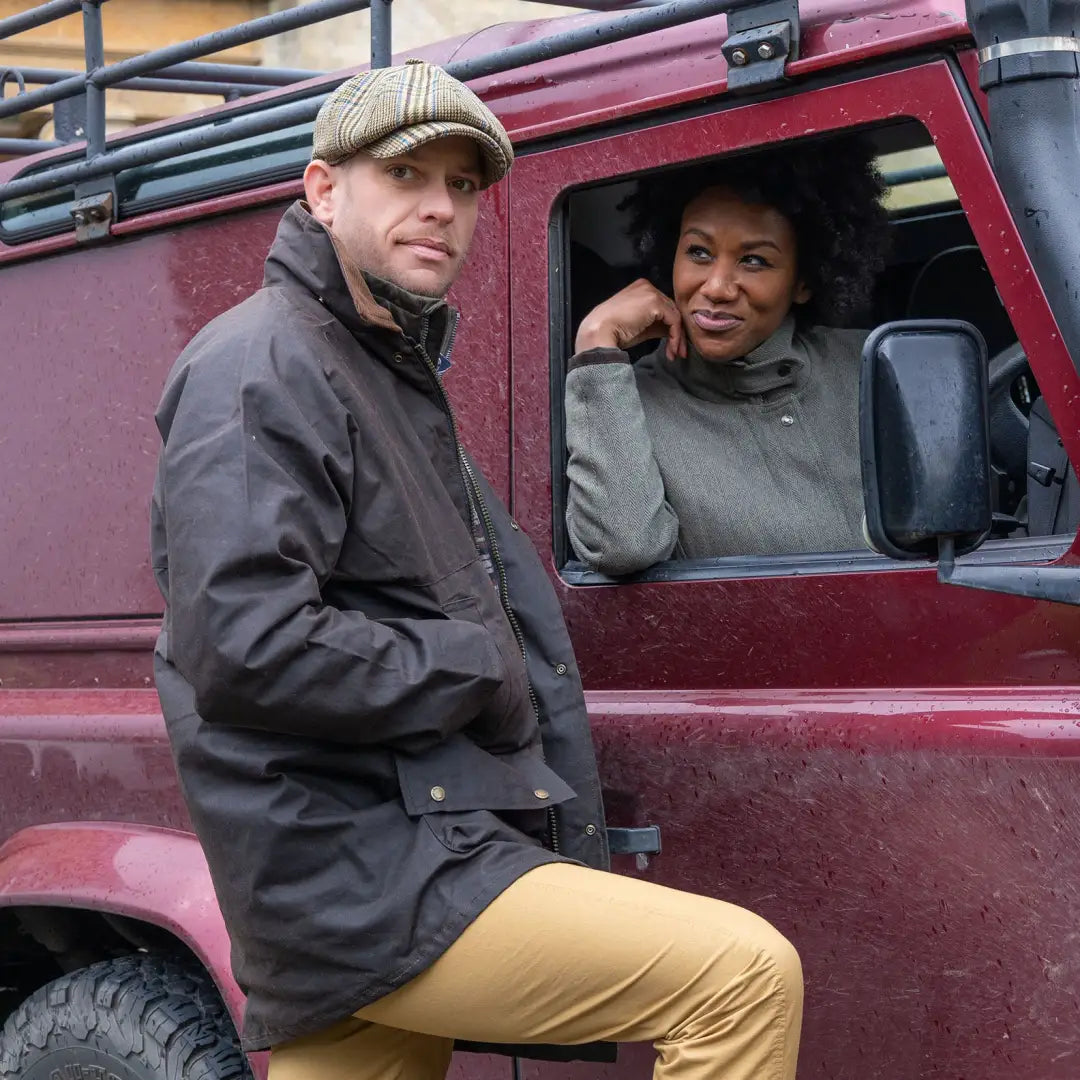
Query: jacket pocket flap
{"type": "Point", "coordinates": [459, 775]}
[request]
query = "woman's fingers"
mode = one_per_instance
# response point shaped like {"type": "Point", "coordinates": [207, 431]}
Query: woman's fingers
{"type": "Point", "coordinates": [638, 313]}
{"type": "Point", "coordinates": [673, 327]}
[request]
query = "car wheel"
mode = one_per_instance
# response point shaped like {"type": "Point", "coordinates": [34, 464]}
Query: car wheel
{"type": "Point", "coordinates": [143, 1017]}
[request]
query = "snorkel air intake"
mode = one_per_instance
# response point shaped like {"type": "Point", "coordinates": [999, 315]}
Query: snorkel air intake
{"type": "Point", "coordinates": [1029, 54]}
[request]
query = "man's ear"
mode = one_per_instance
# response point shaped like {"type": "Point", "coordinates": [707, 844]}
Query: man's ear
{"type": "Point", "coordinates": [319, 183]}
{"type": "Point", "coordinates": [802, 293]}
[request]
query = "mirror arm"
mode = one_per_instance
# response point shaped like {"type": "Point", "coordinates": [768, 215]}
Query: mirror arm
{"type": "Point", "coordinates": [1057, 583]}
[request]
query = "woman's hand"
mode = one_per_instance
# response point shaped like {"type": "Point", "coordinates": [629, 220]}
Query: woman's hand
{"type": "Point", "coordinates": [638, 313]}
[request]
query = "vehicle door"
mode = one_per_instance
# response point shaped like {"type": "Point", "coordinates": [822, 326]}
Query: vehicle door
{"type": "Point", "coordinates": [886, 768]}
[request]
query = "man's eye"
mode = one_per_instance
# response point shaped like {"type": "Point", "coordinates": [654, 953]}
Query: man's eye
{"type": "Point", "coordinates": [400, 172]}
{"type": "Point", "coordinates": [463, 183]}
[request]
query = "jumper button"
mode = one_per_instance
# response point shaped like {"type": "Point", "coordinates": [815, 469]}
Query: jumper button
{"type": "Point", "coordinates": [540, 793]}
{"type": "Point", "coordinates": [438, 793]}
{"type": "Point", "coordinates": [561, 669]}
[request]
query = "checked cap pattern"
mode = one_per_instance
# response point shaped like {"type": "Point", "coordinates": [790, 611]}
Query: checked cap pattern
{"type": "Point", "coordinates": [394, 110]}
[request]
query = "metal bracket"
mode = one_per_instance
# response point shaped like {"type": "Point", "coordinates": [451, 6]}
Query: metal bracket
{"type": "Point", "coordinates": [93, 216]}
{"type": "Point", "coordinates": [761, 40]}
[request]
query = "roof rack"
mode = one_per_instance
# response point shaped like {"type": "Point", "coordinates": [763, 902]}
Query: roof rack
{"type": "Point", "coordinates": [171, 69]}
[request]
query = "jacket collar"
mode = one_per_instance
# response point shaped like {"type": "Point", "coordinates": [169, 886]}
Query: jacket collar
{"type": "Point", "coordinates": [305, 251]}
{"type": "Point", "coordinates": [776, 364]}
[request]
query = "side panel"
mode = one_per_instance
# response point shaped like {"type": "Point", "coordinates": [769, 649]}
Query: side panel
{"type": "Point", "coordinates": [916, 844]}
{"type": "Point", "coordinates": [84, 363]}
{"type": "Point", "coordinates": [91, 817]}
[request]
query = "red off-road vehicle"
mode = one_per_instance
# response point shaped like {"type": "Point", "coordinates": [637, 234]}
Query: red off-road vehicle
{"type": "Point", "coordinates": [883, 764]}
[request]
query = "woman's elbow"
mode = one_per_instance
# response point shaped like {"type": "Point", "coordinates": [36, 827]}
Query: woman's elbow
{"type": "Point", "coordinates": [626, 552]}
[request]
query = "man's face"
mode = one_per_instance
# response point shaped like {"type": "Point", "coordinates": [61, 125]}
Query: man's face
{"type": "Point", "coordinates": [408, 219]}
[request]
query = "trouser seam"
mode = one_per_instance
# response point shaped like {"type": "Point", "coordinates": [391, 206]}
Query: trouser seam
{"type": "Point", "coordinates": [779, 1029]}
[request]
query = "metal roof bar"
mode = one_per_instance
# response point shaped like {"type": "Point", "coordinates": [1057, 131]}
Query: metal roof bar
{"type": "Point", "coordinates": [241, 34]}
{"type": "Point", "coordinates": [381, 46]}
{"type": "Point", "coordinates": [231, 127]}
{"type": "Point", "coordinates": [157, 83]}
{"type": "Point", "coordinates": [38, 16]}
{"type": "Point", "coordinates": [237, 73]}
{"type": "Point", "coordinates": [630, 24]}
{"type": "Point", "coordinates": [605, 5]}
{"type": "Point", "coordinates": [279, 22]}
{"type": "Point", "coordinates": [164, 146]}
{"type": "Point", "coordinates": [94, 43]}
{"type": "Point", "coordinates": [27, 146]}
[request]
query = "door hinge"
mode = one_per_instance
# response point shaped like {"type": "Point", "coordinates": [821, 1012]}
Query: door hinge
{"type": "Point", "coordinates": [762, 38]}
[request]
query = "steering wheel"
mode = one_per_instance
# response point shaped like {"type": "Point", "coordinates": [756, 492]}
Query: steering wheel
{"type": "Point", "coordinates": [1008, 423]}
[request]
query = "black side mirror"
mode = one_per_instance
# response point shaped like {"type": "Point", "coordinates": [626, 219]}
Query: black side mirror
{"type": "Point", "coordinates": [924, 434]}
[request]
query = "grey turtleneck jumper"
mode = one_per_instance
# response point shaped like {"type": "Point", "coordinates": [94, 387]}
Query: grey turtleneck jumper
{"type": "Point", "coordinates": [691, 459]}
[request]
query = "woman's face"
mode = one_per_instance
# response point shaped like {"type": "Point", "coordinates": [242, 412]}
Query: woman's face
{"type": "Point", "coordinates": [735, 275]}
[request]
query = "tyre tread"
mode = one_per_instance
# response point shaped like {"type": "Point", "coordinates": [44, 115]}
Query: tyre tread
{"type": "Point", "coordinates": [156, 1009]}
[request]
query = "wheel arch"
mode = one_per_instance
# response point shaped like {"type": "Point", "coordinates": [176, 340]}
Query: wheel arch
{"type": "Point", "coordinates": [130, 876]}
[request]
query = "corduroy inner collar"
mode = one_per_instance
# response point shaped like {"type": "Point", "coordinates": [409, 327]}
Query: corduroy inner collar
{"type": "Point", "coordinates": [310, 253]}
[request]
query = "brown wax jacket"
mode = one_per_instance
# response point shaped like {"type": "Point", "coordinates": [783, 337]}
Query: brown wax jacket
{"type": "Point", "coordinates": [342, 681]}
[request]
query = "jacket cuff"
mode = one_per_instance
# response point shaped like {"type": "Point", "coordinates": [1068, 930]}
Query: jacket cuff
{"type": "Point", "coordinates": [597, 356]}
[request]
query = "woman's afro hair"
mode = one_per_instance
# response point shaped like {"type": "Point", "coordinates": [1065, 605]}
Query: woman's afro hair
{"type": "Point", "coordinates": [831, 193]}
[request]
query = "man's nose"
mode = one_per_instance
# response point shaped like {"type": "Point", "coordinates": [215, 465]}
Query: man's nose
{"type": "Point", "coordinates": [437, 204]}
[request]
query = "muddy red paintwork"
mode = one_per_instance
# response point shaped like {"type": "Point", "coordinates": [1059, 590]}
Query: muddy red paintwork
{"type": "Point", "coordinates": [886, 768]}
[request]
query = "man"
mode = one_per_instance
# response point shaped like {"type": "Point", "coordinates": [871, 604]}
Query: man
{"type": "Point", "coordinates": [369, 689]}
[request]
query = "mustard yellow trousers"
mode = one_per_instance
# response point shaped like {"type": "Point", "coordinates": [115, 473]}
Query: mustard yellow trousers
{"type": "Point", "coordinates": [571, 955]}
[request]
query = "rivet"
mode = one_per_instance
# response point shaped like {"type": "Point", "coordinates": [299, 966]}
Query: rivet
{"type": "Point", "coordinates": [766, 51]}
{"type": "Point", "coordinates": [739, 57]}
{"type": "Point", "coordinates": [787, 420]}
{"type": "Point", "coordinates": [514, 525]}
{"type": "Point", "coordinates": [590, 830]}
{"type": "Point", "coordinates": [398, 358]}
{"type": "Point", "coordinates": [540, 793]}
{"type": "Point", "coordinates": [438, 793]}
{"type": "Point", "coordinates": [560, 669]}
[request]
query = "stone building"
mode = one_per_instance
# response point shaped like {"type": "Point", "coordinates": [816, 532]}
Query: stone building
{"type": "Point", "coordinates": [135, 26]}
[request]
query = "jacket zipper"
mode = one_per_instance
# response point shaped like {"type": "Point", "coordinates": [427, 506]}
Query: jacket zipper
{"type": "Point", "coordinates": [469, 481]}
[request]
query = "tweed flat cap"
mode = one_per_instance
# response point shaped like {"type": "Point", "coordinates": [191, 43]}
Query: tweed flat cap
{"type": "Point", "coordinates": [394, 110]}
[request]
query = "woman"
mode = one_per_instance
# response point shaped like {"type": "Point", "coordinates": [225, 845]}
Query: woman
{"type": "Point", "coordinates": [738, 434]}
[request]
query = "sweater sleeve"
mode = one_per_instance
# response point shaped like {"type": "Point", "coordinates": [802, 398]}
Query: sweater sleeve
{"type": "Point", "coordinates": [617, 516]}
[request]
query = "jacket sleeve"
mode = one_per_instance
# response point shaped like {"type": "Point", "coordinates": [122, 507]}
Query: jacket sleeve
{"type": "Point", "coordinates": [617, 516]}
{"type": "Point", "coordinates": [255, 485]}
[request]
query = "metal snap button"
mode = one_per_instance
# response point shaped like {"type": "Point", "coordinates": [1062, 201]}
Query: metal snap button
{"type": "Point", "coordinates": [561, 669]}
{"type": "Point", "coordinates": [398, 358]}
{"type": "Point", "coordinates": [787, 420]}
{"type": "Point", "coordinates": [438, 793]}
{"type": "Point", "coordinates": [590, 830]}
{"type": "Point", "coordinates": [540, 793]}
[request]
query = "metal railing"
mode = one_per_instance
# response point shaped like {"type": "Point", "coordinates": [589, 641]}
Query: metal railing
{"type": "Point", "coordinates": [171, 69]}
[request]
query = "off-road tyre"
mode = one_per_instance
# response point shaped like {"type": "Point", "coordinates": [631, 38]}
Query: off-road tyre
{"type": "Point", "coordinates": [143, 1017]}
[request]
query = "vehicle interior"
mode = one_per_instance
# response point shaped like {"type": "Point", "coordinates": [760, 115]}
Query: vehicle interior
{"type": "Point", "coordinates": [935, 271]}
